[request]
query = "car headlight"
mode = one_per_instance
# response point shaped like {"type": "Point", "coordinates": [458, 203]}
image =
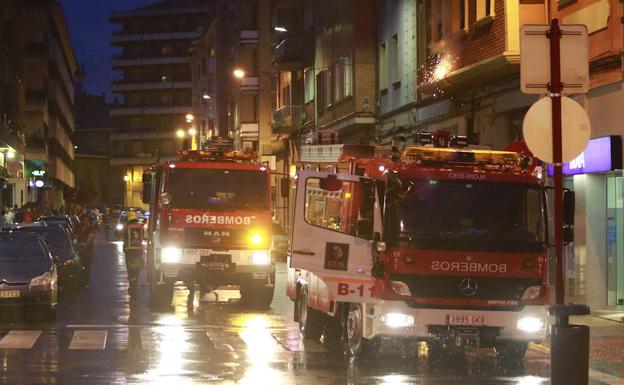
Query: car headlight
{"type": "Point", "coordinates": [170, 255]}
{"type": "Point", "coordinates": [530, 324]}
{"type": "Point", "coordinates": [260, 258]}
{"type": "Point", "coordinates": [42, 282]}
{"type": "Point", "coordinates": [397, 320]}
{"type": "Point", "coordinates": [532, 292]}
{"type": "Point", "coordinates": [400, 288]}
{"type": "Point", "coordinates": [119, 227]}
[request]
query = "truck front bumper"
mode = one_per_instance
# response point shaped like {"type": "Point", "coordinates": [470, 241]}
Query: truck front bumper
{"type": "Point", "coordinates": [397, 319]}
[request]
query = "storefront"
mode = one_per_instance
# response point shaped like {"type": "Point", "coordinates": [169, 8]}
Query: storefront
{"type": "Point", "coordinates": [595, 262]}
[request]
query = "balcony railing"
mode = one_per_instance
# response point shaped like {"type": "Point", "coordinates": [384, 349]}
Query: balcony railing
{"type": "Point", "coordinates": [287, 118]}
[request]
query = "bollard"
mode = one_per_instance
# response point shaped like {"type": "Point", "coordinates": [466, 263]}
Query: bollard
{"type": "Point", "coordinates": [569, 347]}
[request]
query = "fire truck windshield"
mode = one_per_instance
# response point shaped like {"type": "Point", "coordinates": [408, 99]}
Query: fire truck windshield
{"type": "Point", "coordinates": [469, 216]}
{"type": "Point", "coordinates": [217, 188]}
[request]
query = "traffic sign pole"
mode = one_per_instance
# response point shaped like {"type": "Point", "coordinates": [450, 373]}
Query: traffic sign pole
{"type": "Point", "coordinates": [556, 88]}
{"type": "Point", "coordinates": [569, 355]}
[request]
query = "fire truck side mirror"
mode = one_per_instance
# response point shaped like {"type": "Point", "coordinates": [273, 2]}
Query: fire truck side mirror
{"type": "Point", "coordinates": [568, 216]}
{"type": "Point", "coordinates": [331, 183]}
{"type": "Point", "coordinates": [285, 187]}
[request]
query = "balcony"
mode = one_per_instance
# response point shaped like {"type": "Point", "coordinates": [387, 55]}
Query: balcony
{"type": "Point", "coordinates": [249, 84]}
{"type": "Point", "coordinates": [156, 85]}
{"type": "Point", "coordinates": [118, 137]}
{"type": "Point", "coordinates": [287, 119]}
{"type": "Point", "coordinates": [120, 62]}
{"type": "Point", "coordinates": [56, 93]}
{"type": "Point", "coordinates": [249, 37]}
{"type": "Point", "coordinates": [250, 131]}
{"type": "Point", "coordinates": [123, 37]}
{"type": "Point", "coordinates": [155, 110]}
{"type": "Point", "coordinates": [289, 54]}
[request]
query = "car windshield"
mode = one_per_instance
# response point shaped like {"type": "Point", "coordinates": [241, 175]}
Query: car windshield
{"type": "Point", "coordinates": [21, 249]}
{"type": "Point", "coordinates": [197, 188]}
{"type": "Point", "coordinates": [472, 216]}
{"type": "Point", "coordinates": [55, 239]}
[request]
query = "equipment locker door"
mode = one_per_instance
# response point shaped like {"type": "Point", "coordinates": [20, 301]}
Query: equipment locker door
{"type": "Point", "coordinates": [333, 227]}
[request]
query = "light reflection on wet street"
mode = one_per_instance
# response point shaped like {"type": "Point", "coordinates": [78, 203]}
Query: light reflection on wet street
{"type": "Point", "coordinates": [104, 337]}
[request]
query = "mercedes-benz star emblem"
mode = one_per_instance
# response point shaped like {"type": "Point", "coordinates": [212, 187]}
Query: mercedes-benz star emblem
{"type": "Point", "coordinates": [468, 287]}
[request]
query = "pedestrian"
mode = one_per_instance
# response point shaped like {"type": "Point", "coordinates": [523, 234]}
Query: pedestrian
{"type": "Point", "coordinates": [27, 217]}
{"type": "Point", "coordinates": [9, 216]}
{"type": "Point", "coordinates": [19, 215]}
{"type": "Point", "coordinates": [133, 249]}
{"type": "Point", "coordinates": [86, 240]}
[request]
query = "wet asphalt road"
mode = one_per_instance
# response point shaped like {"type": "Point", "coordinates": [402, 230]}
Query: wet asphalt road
{"type": "Point", "coordinates": [103, 337]}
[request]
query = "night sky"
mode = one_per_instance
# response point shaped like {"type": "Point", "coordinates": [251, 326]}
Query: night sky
{"type": "Point", "coordinates": [90, 33]}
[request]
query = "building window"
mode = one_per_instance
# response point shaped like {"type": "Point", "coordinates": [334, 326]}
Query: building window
{"type": "Point", "coordinates": [348, 75]}
{"type": "Point", "coordinates": [485, 8]}
{"type": "Point", "coordinates": [462, 14]}
{"type": "Point", "coordinates": [383, 67]}
{"type": "Point", "coordinates": [308, 84]}
{"type": "Point", "coordinates": [394, 51]}
{"type": "Point", "coordinates": [321, 79]}
{"type": "Point", "coordinates": [338, 80]}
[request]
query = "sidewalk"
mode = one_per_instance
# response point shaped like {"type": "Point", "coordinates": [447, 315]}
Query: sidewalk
{"type": "Point", "coordinates": [606, 344]}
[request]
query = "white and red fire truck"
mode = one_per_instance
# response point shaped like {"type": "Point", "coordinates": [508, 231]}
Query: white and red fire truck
{"type": "Point", "coordinates": [444, 245]}
{"type": "Point", "coordinates": [210, 223]}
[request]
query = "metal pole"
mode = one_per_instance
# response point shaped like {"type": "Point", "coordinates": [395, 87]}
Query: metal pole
{"type": "Point", "coordinates": [555, 87]}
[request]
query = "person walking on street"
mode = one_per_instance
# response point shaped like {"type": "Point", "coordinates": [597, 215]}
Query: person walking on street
{"type": "Point", "coordinates": [133, 249]}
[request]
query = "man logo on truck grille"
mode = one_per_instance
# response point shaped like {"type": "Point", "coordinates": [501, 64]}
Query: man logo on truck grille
{"type": "Point", "coordinates": [468, 287]}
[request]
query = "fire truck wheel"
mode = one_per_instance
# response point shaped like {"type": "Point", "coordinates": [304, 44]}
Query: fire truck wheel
{"type": "Point", "coordinates": [510, 353]}
{"type": "Point", "coordinates": [257, 294]}
{"type": "Point", "coordinates": [311, 321]}
{"type": "Point", "coordinates": [162, 295]}
{"type": "Point", "coordinates": [356, 344]}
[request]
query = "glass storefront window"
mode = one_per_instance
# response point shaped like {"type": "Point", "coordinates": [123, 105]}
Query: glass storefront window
{"type": "Point", "coordinates": [615, 242]}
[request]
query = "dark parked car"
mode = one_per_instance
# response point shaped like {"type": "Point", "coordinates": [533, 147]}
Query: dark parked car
{"type": "Point", "coordinates": [28, 277]}
{"type": "Point", "coordinates": [71, 272]}
{"type": "Point", "coordinates": [62, 220]}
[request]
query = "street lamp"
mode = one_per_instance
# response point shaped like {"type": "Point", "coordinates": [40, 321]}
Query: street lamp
{"type": "Point", "coordinates": [280, 28]}
{"type": "Point", "coordinates": [239, 73]}
{"type": "Point", "coordinates": [180, 133]}
{"type": "Point", "coordinates": [126, 178]}
{"type": "Point", "coordinates": [189, 118]}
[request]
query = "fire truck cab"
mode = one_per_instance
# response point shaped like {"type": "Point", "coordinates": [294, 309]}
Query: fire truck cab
{"type": "Point", "coordinates": [210, 223]}
{"type": "Point", "coordinates": [443, 245]}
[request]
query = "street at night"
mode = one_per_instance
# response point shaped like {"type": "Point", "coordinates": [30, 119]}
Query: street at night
{"type": "Point", "coordinates": [342, 192]}
{"type": "Point", "coordinates": [104, 337]}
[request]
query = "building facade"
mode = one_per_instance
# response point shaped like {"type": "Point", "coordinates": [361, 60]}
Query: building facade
{"type": "Point", "coordinates": [12, 101]}
{"type": "Point", "coordinates": [49, 73]}
{"type": "Point", "coordinates": [595, 273]}
{"type": "Point", "coordinates": [92, 150]}
{"type": "Point", "coordinates": [155, 86]}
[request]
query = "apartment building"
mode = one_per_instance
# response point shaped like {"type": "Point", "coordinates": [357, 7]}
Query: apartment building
{"type": "Point", "coordinates": [12, 100]}
{"type": "Point", "coordinates": [154, 84]}
{"type": "Point", "coordinates": [49, 72]}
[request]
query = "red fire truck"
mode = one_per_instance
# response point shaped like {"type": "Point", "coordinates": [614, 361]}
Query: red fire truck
{"type": "Point", "coordinates": [438, 244]}
{"type": "Point", "coordinates": [210, 223]}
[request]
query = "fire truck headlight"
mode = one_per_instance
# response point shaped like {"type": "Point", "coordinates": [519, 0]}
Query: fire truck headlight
{"type": "Point", "coordinates": [530, 324]}
{"type": "Point", "coordinates": [260, 258]}
{"type": "Point", "coordinates": [400, 288]}
{"type": "Point", "coordinates": [532, 292]}
{"type": "Point", "coordinates": [170, 255]}
{"type": "Point", "coordinates": [119, 227]}
{"type": "Point", "coordinates": [398, 320]}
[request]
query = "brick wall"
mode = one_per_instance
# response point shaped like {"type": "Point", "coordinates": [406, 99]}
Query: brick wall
{"type": "Point", "coordinates": [485, 41]}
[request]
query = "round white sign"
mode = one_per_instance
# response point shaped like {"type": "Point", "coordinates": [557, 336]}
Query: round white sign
{"type": "Point", "coordinates": [575, 129]}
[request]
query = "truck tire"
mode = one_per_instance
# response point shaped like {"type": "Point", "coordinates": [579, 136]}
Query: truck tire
{"type": "Point", "coordinates": [257, 294]}
{"type": "Point", "coordinates": [311, 321]}
{"type": "Point", "coordinates": [162, 295]}
{"type": "Point", "coordinates": [510, 353]}
{"type": "Point", "coordinates": [356, 345]}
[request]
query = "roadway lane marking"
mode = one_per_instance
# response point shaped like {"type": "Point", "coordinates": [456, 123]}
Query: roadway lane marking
{"type": "Point", "coordinates": [88, 340]}
{"type": "Point", "coordinates": [293, 342]}
{"type": "Point", "coordinates": [224, 341]}
{"type": "Point", "coordinates": [20, 339]}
